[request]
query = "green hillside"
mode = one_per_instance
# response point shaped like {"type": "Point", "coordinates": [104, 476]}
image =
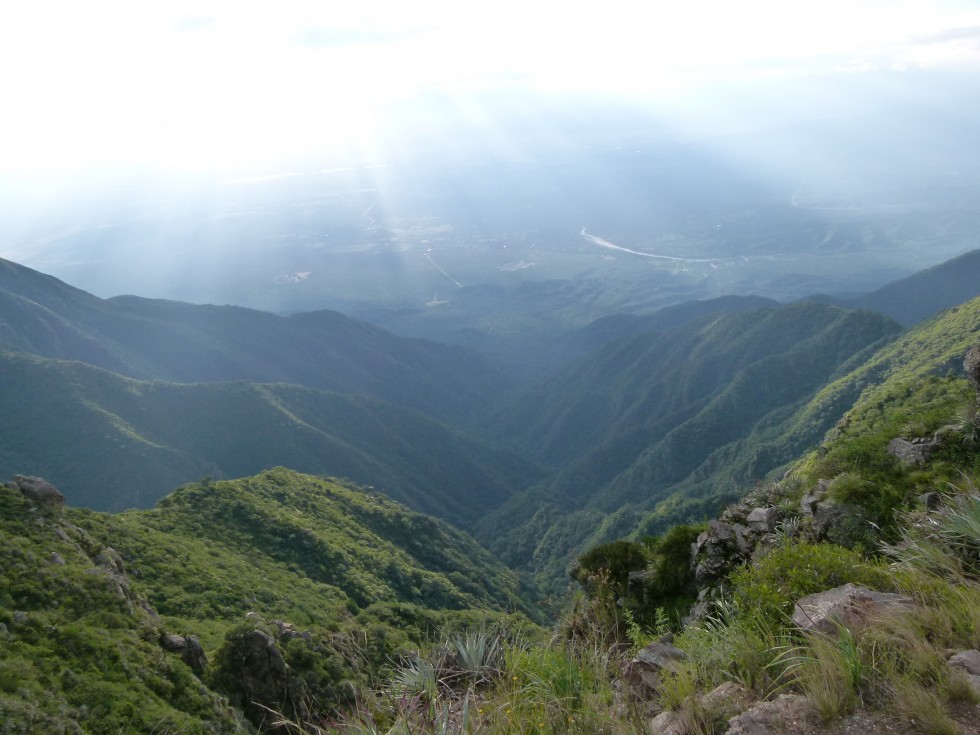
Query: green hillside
{"type": "Point", "coordinates": [87, 599]}
{"type": "Point", "coordinates": [284, 544]}
{"type": "Point", "coordinates": [115, 443]}
{"type": "Point", "coordinates": [652, 417]}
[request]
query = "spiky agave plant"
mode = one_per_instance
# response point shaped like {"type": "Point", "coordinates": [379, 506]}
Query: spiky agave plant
{"type": "Point", "coordinates": [945, 541]}
{"type": "Point", "coordinates": [478, 655]}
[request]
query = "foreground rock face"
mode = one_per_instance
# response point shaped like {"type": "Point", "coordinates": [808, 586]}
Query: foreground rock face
{"type": "Point", "coordinates": [851, 606]}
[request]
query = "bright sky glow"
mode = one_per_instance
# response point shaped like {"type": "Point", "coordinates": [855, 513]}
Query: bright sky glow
{"type": "Point", "coordinates": [195, 84]}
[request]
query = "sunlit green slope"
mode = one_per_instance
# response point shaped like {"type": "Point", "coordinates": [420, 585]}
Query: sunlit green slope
{"type": "Point", "coordinates": [87, 600]}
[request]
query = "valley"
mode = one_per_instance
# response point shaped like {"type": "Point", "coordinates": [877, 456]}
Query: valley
{"type": "Point", "coordinates": [544, 420]}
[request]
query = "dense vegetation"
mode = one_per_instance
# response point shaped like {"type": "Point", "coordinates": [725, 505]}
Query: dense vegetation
{"type": "Point", "coordinates": [115, 442]}
{"type": "Point", "coordinates": [665, 427]}
{"type": "Point", "coordinates": [151, 339]}
{"type": "Point", "coordinates": [287, 602]}
{"type": "Point", "coordinates": [88, 598]}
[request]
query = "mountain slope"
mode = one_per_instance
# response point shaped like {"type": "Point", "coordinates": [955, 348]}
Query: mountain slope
{"type": "Point", "coordinates": [646, 416]}
{"type": "Point", "coordinates": [117, 442]}
{"type": "Point", "coordinates": [285, 543]}
{"type": "Point", "coordinates": [163, 340]}
{"type": "Point", "coordinates": [90, 603]}
{"type": "Point", "coordinates": [923, 294]}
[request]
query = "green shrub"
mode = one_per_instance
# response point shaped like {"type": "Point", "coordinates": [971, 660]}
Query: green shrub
{"type": "Point", "coordinates": [769, 588]}
{"type": "Point", "coordinates": [613, 561]}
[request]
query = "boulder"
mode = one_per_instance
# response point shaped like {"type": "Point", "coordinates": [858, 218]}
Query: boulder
{"type": "Point", "coordinates": [829, 515]}
{"type": "Point", "coordinates": [969, 661]}
{"type": "Point", "coordinates": [719, 530]}
{"type": "Point", "coordinates": [40, 492]}
{"type": "Point", "coordinates": [811, 500]}
{"type": "Point", "coordinates": [763, 520]}
{"type": "Point", "coordinates": [785, 714]}
{"type": "Point", "coordinates": [850, 606]}
{"type": "Point", "coordinates": [915, 451]}
{"type": "Point", "coordinates": [643, 672]}
{"type": "Point", "coordinates": [110, 564]}
{"type": "Point", "coordinates": [719, 548]}
{"type": "Point", "coordinates": [667, 723]}
{"type": "Point", "coordinates": [931, 500]}
{"type": "Point", "coordinates": [193, 654]}
{"type": "Point", "coordinates": [173, 643]}
{"type": "Point", "coordinates": [741, 539]}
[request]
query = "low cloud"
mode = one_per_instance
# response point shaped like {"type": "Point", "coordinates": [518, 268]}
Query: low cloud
{"type": "Point", "coordinates": [329, 38]}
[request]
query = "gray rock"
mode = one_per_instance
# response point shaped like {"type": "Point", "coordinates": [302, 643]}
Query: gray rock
{"type": "Point", "coordinates": [110, 564]}
{"type": "Point", "coordinates": [719, 530]}
{"type": "Point", "coordinates": [643, 672]}
{"type": "Point", "coordinates": [850, 606]}
{"type": "Point", "coordinates": [173, 643]}
{"type": "Point", "coordinates": [812, 499]}
{"type": "Point", "coordinates": [40, 492]}
{"type": "Point", "coordinates": [763, 520]}
{"type": "Point", "coordinates": [741, 540]}
{"type": "Point", "coordinates": [667, 723]}
{"type": "Point", "coordinates": [971, 366]}
{"type": "Point", "coordinates": [931, 500]}
{"type": "Point", "coordinates": [784, 714]}
{"type": "Point", "coordinates": [969, 661]}
{"type": "Point", "coordinates": [726, 700]}
{"type": "Point", "coordinates": [193, 654]}
{"type": "Point", "coordinates": [56, 559]}
{"type": "Point", "coordinates": [913, 452]}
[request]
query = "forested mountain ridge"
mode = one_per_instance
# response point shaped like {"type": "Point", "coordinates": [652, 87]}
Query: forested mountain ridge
{"type": "Point", "coordinates": [924, 294]}
{"type": "Point", "coordinates": [185, 617]}
{"type": "Point", "coordinates": [114, 442]}
{"type": "Point", "coordinates": [661, 417]}
{"type": "Point", "coordinates": [150, 339]}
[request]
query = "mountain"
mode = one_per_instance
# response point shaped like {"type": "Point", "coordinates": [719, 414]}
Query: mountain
{"type": "Point", "coordinates": [234, 603]}
{"type": "Point", "coordinates": [165, 340]}
{"type": "Point", "coordinates": [115, 442]}
{"type": "Point", "coordinates": [925, 293]}
{"type": "Point", "coordinates": [617, 326]}
{"type": "Point", "coordinates": [96, 638]}
{"type": "Point", "coordinates": [660, 415]}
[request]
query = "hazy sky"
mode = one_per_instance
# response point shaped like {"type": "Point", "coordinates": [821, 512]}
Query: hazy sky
{"type": "Point", "coordinates": [192, 84]}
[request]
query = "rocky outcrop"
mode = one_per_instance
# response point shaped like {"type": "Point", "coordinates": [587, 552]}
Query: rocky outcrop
{"type": "Point", "coordinates": [644, 672]}
{"type": "Point", "coordinates": [190, 649]}
{"type": "Point", "coordinates": [812, 500]}
{"type": "Point", "coordinates": [725, 545]}
{"type": "Point", "coordinates": [971, 366]}
{"type": "Point", "coordinates": [109, 564]}
{"type": "Point", "coordinates": [40, 492]}
{"type": "Point", "coordinates": [253, 672]}
{"type": "Point", "coordinates": [915, 451]}
{"type": "Point", "coordinates": [851, 606]}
